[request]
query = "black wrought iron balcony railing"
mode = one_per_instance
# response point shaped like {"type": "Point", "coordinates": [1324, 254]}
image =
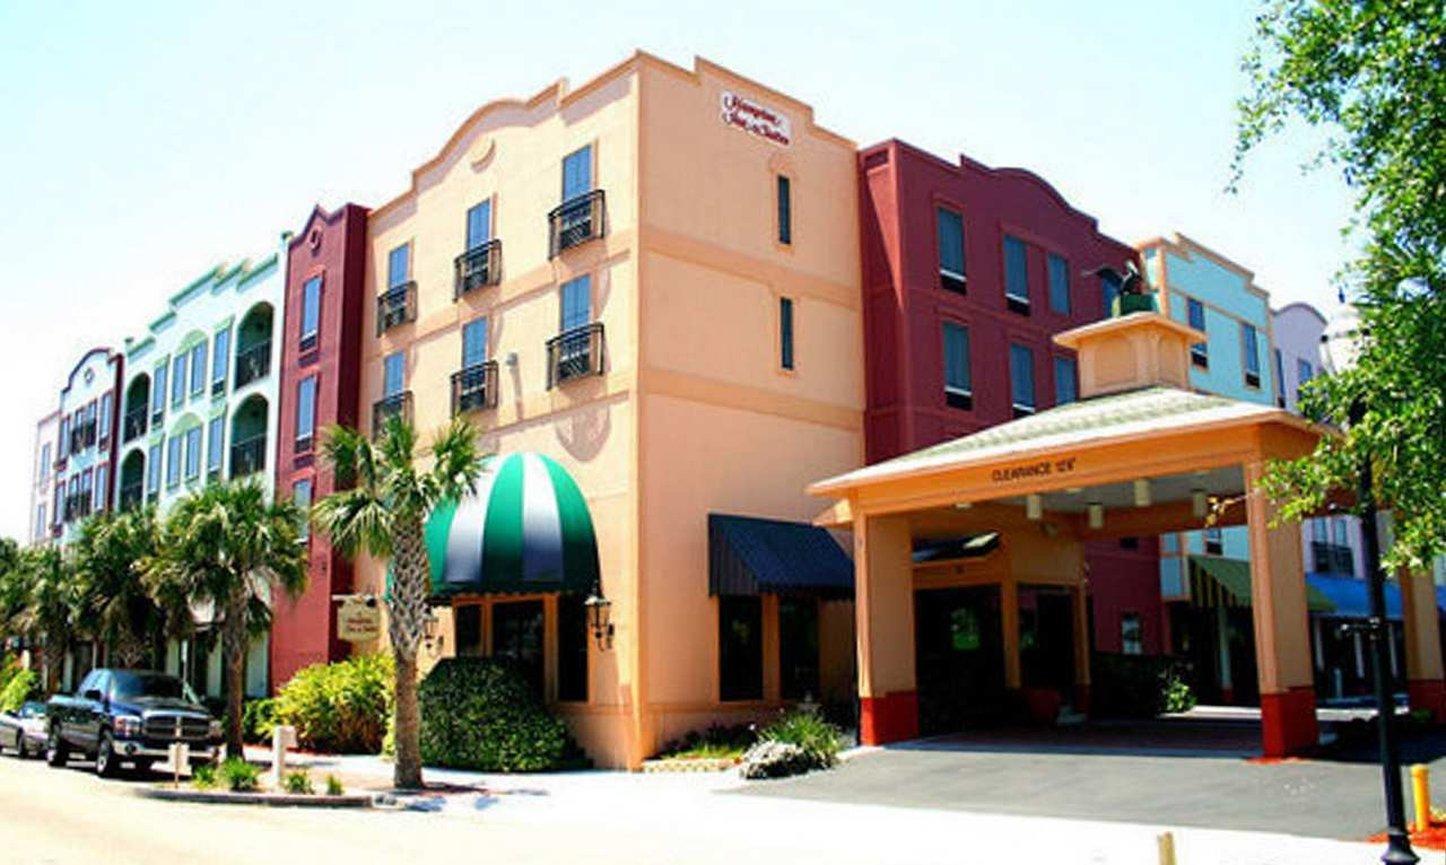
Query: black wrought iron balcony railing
{"type": "Point", "coordinates": [396, 306]}
{"type": "Point", "coordinates": [248, 456]}
{"type": "Point", "coordinates": [576, 221]}
{"type": "Point", "coordinates": [1332, 558]}
{"type": "Point", "coordinates": [396, 405]}
{"type": "Point", "coordinates": [478, 266]}
{"type": "Point", "coordinates": [133, 425]}
{"type": "Point", "coordinates": [474, 388]}
{"type": "Point", "coordinates": [575, 353]}
{"type": "Point", "coordinates": [132, 495]}
{"type": "Point", "coordinates": [253, 363]}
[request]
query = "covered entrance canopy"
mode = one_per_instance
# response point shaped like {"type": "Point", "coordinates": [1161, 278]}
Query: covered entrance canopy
{"type": "Point", "coordinates": [1139, 454]}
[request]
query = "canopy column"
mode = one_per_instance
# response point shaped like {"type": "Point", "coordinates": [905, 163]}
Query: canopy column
{"type": "Point", "coordinates": [884, 607]}
{"type": "Point", "coordinates": [1282, 630]}
{"type": "Point", "coordinates": [1080, 605]}
{"type": "Point", "coordinates": [1425, 681]}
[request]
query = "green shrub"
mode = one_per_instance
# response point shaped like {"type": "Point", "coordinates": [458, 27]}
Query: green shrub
{"type": "Point", "coordinates": [1138, 686]}
{"type": "Point", "coordinates": [239, 776]}
{"type": "Point", "coordinates": [203, 776]}
{"type": "Point", "coordinates": [480, 714]}
{"type": "Point", "coordinates": [24, 685]}
{"type": "Point", "coordinates": [819, 740]}
{"type": "Point", "coordinates": [258, 718]}
{"type": "Point", "coordinates": [1176, 693]}
{"type": "Point", "coordinates": [339, 708]}
{"type": "Point", "coordinates": [333, 786]}
{"type": "Point", "coordinates": [715, 743]}
{"type": "Point", "coordinates": [298, 783]}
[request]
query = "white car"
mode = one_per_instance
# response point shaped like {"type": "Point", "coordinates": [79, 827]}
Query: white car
{"type": "Point", "coordinates": [24, 730]}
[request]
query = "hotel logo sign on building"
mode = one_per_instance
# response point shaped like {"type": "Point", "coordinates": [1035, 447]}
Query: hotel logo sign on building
{"type": "Point", "coordinates": [743, 113]}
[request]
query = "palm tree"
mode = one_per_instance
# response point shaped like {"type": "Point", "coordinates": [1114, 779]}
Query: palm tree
{"type": "Point", "coordinates": [115, 607]}
{"type": "Point", "coordinates": [227, 548]}
{"type": "Point", "coordinates": [47, 593]}
{"type": "Point", "coordinates": [381, 513]}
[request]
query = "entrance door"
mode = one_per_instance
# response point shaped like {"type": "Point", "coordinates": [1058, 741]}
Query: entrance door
{"type": "Point", "coordinates": [1046, 639]}
{"type": "Point", "coordinates": [517, 636]}
{"type": "Point", "coordinates": [959, 657]}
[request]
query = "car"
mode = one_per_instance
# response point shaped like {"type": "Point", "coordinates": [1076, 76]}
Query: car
{"type": "Point", "coordinates": [120, 716]}
{"type": "Point", "coordinates": [24, 729]}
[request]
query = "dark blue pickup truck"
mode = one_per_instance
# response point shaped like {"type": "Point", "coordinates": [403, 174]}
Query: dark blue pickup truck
{"type": "Point", "coordinates": [129, 716]}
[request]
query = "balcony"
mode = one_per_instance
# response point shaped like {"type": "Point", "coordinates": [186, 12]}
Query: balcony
{"type": "Point", "coordinates": [396, 306]}
{"type": "Point", "coordinates": [248, 457]}
{"type": "Point", "coordinates": [396, 405]}
{"type": "Point", "coordinates": [133, 426]}
{"type": "Point", "coordinates": [131, 496]}
{"type": "Point", "coordinates": [575, 353]}
{"type": "Point", "coordinates": [253, 363]}
{"type": "Point", "coordinates": [576, 221]}
{"type": "Point", "coordinates": [474, 388]}
{"type": "Point", "coordinates": [479, 266]}
{"type": "Point", "coordinates": [1332, 558]}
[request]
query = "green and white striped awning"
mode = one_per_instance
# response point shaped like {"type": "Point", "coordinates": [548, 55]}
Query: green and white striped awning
{"type": "Point", "coordinates": [527, 529]}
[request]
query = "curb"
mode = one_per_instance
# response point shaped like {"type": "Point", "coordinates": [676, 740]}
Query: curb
{"type": "Point", "coordinates": [275, 800]}
{"type": "Point", "coordinates": [683, 765]}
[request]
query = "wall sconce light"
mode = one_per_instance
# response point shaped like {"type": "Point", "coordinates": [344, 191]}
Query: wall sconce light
{"type": "Point", "coordinates": [1142, 493]}
{"type": "Point", "coordinates": [963, 506]}
{"type": "Point", "coordinates": [1033, 506]}
{"type": "Point", "coordinates": [432, 639]}
{"type": "Point", "coordinates": [1198, 503]}
{"type": "Point", "coordinates": [1097, 515]}
{"type": "Point", "coordinates": [599, 615]}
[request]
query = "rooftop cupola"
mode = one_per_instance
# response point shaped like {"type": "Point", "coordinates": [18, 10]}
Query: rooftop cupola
{"type": "Point", "coordinates": [1131, 350]}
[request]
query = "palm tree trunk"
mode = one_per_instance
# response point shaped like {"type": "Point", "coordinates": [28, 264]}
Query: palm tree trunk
{"type": "Point", "coordinates": [407, 772]}
{"type": "Point", "coordinates": [406, 622]}
{"type": "Point", "coordinates": [233, 657]}
{"type": "Point", "coordinates": [54, 655]}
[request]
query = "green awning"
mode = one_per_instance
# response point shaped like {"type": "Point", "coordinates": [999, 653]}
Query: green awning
{"type": "Point", "coordinates": [1217, 581]}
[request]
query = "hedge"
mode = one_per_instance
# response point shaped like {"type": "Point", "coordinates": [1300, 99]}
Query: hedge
{"type": "Point", "coordinates": [480, 714]}
{"type": "Point", "coordinates": [338, 708]}
{"type": "Point", "coordinates": [1138, 686]}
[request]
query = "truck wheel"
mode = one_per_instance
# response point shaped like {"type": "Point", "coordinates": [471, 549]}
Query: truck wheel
{"type": "Point", "coordinates": [56, 754]}
{"type": "Point", "coordinates": [22, 747]}
{"type": "Point", "coordinates": [106, 763]}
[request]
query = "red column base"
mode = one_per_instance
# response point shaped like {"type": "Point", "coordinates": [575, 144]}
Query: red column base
{"type": "Point", "coordinates": [893, 717]}
{"type": "Point", "coordinates": [1428, 694]}
{"type": "Point", "coordinates": [1287, 722]}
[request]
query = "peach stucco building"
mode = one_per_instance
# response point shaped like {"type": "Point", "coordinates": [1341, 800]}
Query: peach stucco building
{"type": "Point", "coordinates": [650, 282]}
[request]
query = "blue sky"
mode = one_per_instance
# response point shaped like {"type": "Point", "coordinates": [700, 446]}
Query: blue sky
{"type": "Point", "coordinates": [142, 143]}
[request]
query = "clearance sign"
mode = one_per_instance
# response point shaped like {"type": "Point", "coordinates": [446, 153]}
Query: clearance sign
{"type": "Point", "coordinates": [743, 113]}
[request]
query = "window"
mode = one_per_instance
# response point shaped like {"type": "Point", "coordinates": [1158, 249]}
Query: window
{"type": "Point", "coordinates": [40, 524]}
{"type": "Point", "coordinates": [158, 392]}
{"type": "Point", "coordinates": [958, 387]}
{"type": "Point", "coordinates": [1058, 284]}
{"type": "Point", "coordinates": [178, 381]}
{"type": "Point", "coordinates": [198, 369]}
{"type": "Point", "coordinates": [399, 265]}
{"type": "Point", "coordinates": [1304, 372]}
{"type": "Point", "coordinates": [193, 453]}
{"type": "Point", "coordinates": [1318, 530]}
{"type": "Point", "coordinates": [153, 470]}
{"type": "Point", "coordinates": [572, 637]}
{"type": "Point", "coordinates": [305, 413]}
{"type": "Point", "coordinates": [310, 312]}
{"type": "Point", "coordinates": [785, 210]}
{"type": "Point", "coordinates": [173, 461]}
{"type": "Point", "coordinates": [1066, 380]}
{"type": "Point", "coordinates": [1250, 342]}
{"type": "Point", "coordinates": [1200, 351]}
{"type": "Point", "coordinates": [950, 226]}
{"type": "Point", "coordinates": [1214, 541]}
{"type": "Point", "coordinates": [1016, 274]}
{"type": "Point", "coordinates": [45, 461]}
{"type": "Point", "coordinates": [102, 475]}
{"type": "Point", "coordinates": [220, 360]}
{"type": "Point", "coordinates": [785, 332]}
{"type": "Point", "coordinates": [1338, 531]}
{"type": "Point", "coordinates": [85, 492]}
{"type": "Point", "coordinates": [479, 224]}
{"type": "Point", "coordinates": [576, 303]}
{"type": "Point", "coordinates": [216, 446]}
{"type": "Point", "coordinates": [394, 373]}
{"type": "Point", "coordinates": [474, 343]}
{"type": "Point", "coordinates": [467, 630]}
{"type": "Point", "coordinates": [740, 648]}
{"type": "Point", "coordinates": [1130, 542]}
{"type": "Point", "coordinates": [577, 173]}
{"type": "Point", "coordinates": [1132, 634]}
{"type": "Point", "coordinates": [1021, 379]}
{"type": "Point", "coordinates": [1280, 380]}
{"type": "Point", "coordinates": [798, 675]}
{"type": "Point", "coordinates": [64, 436]}
{"type": "Point", "coordinates": [301, 497]}
{"type": "Point", "coordinates": [1109, 291]}
{"type": "Point", "coordinates": [104, 419]}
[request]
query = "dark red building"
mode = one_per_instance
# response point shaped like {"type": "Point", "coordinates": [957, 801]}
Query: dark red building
{"type": "Point", "coordinates": [968, 271]}
{"type": "Point", "coordinates": [320, 387]}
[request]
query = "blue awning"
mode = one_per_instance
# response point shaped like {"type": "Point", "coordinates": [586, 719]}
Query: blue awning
{"type": "Point", "coordinates": [1350, 597]}
{"type": "Point", "coordinates": [751, 556]}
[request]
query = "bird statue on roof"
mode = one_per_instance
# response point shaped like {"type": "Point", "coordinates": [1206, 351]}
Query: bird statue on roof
{"type": "Point", "coordinates": [1127, 292]}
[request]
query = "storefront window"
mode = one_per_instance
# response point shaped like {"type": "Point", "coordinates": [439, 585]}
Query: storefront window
{"type": "Point", "coordinates": [740, 648]}
{"type": "Point", "coordinates": [798, 648]}
{"type": "Point", "coordinates": [517, 636]}
{"type": "Point", "coordinates": [572, 639]}
{"type": "Point", "coordinates": [467, 630]}
{"type": "Point", "coordinates": [1132, 635]}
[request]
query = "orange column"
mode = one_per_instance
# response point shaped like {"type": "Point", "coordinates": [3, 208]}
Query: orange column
{"type": "Point", "coordinates": [884, 609]}
{"type": "Point", "coordinates": [1425, 681]}
{"type": "Point", "coordinates": [1081, 649]}
{"type": "Point", "coordinates": [1282, 631]}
